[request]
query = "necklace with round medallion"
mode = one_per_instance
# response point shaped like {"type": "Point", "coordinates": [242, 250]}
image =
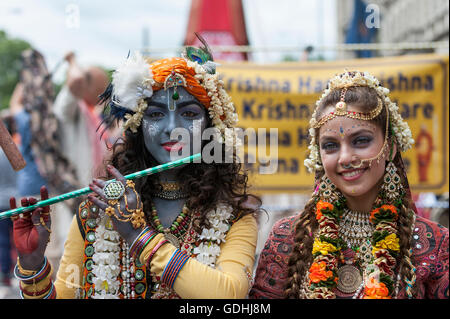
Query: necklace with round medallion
{"type": "Point", "coordinates": [349, 279]}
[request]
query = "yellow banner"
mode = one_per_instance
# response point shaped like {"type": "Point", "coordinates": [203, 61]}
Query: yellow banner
{"type": "Point", "coordinates": [283, 96]}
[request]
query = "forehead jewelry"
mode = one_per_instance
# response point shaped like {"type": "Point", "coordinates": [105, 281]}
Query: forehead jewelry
{"type": "Point", "coordinates": [174, 80]}
{"type": "Point", "coordinates": [341, 110]}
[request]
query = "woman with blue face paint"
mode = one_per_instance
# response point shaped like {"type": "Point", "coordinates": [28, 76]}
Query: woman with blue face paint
{"type": "Point", "coordinates": [188, 232]}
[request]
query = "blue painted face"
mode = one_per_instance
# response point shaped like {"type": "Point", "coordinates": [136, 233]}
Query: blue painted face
{"type": "Point", "coordinates": [172, 128]}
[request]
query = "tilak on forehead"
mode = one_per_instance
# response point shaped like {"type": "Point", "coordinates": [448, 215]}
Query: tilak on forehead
{"type": "Point", "coordinates": [171, 97]}
{"type": "Point", "coordinates": [400, 128]}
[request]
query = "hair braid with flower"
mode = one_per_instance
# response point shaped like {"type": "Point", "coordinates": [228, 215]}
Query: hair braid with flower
{"type": "Point", "coordinates": [365, 98]}
{"type": "Point", "coordinates": [301, 256]}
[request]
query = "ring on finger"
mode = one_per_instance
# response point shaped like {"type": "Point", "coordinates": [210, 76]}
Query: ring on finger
{"type": "Point", "coordinates": [113, 190]}
{"type": "Point", "coordinates": [43, 224]}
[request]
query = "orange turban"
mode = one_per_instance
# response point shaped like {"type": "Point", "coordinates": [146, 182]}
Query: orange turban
{"type": "Point", "coordinates": [163, 68]}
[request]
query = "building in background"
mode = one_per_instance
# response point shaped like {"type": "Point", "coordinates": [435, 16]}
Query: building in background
{"type": "Point", "coordinates": [401, 21]}
{"type": "Point", "coordinates": [220, 23]}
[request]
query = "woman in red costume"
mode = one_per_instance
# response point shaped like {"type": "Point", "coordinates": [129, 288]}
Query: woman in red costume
{"type": "Point", "coordinates": [359, 235]}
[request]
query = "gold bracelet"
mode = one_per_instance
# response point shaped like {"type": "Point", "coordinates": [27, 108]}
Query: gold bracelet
{"type": "Point", "coordinates": [26, 273]}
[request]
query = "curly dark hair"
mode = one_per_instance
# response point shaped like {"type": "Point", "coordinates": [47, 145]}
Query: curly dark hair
{"type": "Point", "coordinates": [206, 184]}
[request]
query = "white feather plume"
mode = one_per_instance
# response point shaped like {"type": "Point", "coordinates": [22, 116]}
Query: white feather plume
{"type": "Point", "coordinates": [130, 81]}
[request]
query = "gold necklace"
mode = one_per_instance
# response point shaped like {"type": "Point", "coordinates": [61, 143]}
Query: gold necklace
{"type": "Point", "coordinates": [170, 190]}
{"type": "Point", "coordinates": [355, 228]}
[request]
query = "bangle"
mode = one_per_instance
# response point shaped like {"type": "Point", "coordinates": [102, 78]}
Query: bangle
{"type": "Point", "coordinates": [24, 272]}
{"type": "Point", "coordinates": [154, 251]}
{"type": "Point", "coordinates": [142, 241]}
{"type": "Point", "coordinates": [140, 234]}
{"type": "Point", "coordinates": [38, 276]}
{"type": "Point", "coordinates": [50, 295]}
{"type": "Point", "coordinates": [174, 266]}
{"type": "Point", "coordinates": [35, 293]}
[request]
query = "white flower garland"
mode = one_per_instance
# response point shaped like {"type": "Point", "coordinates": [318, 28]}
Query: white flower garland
{"type": "Point", "coordinates": [221, 106]}
{"type": "Point", "coordinates": [401, 129]}
{"type": "Point", "coordinates": [106, 262]}
{"type": "Point", "coordinates": [209, 249]}
{"type": "Point", "coordinates": [106, 258]}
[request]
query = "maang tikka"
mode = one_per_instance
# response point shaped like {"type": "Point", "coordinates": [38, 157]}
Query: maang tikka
{"type": "Point", "coordinates": [342, 111]}
{"type": "Point", "coordinates": [174, 80]}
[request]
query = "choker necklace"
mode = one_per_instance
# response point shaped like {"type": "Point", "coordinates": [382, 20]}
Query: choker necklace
{"type": "Point", "coordinates": [355, 228]}
{"type": "Point", "coordinates": [175, 232]}
{"type": "Point", "coordinates": [170, 190]}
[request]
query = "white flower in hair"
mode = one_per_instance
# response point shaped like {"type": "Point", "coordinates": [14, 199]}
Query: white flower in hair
{"type": "Point", "coordinates": [401, 129]}
{"type": "Point", "coordinates": [132, 81]}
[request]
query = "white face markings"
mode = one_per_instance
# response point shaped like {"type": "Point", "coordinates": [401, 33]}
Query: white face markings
{"type": "Point", "coordinates": [196, 125]}
{"type": "Point", "coordinates": [151, 127]}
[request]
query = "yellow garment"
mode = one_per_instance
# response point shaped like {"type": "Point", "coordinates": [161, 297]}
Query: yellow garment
{"type": "Point", "coordinates": [195, 280]}
{"type": "Point", "coordinates": [70, 272]}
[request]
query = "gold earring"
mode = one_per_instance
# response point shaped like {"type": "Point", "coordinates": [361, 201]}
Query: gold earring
{"type": "Point", "coordinates": [392, 187]}
{"type": "Point", "coordinates": [328, 191]}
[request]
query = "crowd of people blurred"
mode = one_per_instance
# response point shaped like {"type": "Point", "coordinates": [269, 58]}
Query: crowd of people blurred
{"type": "Point", "coordinates": [58, 137]}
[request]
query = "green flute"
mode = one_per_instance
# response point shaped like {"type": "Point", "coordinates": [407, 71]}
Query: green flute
{"type": "Point", "coordinates": [86, 190]}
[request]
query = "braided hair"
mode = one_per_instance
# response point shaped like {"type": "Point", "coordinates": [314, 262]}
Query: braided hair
{"type": "Point", "coordinates": [365, 99]}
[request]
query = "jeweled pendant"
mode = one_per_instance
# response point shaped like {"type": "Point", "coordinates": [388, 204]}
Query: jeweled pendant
{"type": "Point", "coordinates": [349, 279]}
{"type": "Point", "coordinates": [175, 95]}
{"type": "Point", "coordinates": [172, 239]}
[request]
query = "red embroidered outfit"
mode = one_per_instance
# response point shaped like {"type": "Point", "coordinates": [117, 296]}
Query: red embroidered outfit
{"type": "Point", "coordinates": [430, 257]}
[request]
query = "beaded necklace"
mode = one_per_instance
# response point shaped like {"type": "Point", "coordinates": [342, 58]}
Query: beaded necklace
{"type": "Point", "coordinates": [108, 270]}
{"type": "Point", "coordinates": [378, 275]}
{"type": "Point", "coordinates": [177, 229]}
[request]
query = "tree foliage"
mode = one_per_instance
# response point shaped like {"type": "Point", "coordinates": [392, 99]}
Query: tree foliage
{"type": "Point", "coordinates": [10, 64]}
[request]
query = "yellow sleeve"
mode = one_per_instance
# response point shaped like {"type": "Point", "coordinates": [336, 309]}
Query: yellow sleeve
{"type": "Point", "coordinates": [69, 275]}
{"type": "Point", "coordinates": [234, 266]}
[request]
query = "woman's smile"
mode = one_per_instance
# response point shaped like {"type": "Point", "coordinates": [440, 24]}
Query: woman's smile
{"type": "Point", "coordinates": [352, 175]}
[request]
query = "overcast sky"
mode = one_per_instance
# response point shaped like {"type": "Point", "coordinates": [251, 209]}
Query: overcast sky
{"type": "Point", "coordinates": [105, 30]}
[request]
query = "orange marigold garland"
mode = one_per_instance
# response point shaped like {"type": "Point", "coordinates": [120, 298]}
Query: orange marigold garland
{"type": "Point", "coordinates": [385, 247]}
{"type": "Point", "coordinates": [376, 290]}
{"type": "Point", "coordinates": [326, 252]}
{"type": "Point", "coordinates": [378, 275]}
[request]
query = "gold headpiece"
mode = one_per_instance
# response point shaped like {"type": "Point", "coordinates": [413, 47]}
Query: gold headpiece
{"type": "Point", "coordinates": [343, 81]}
{"type": "Point", "coordinates": [341, 110]}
